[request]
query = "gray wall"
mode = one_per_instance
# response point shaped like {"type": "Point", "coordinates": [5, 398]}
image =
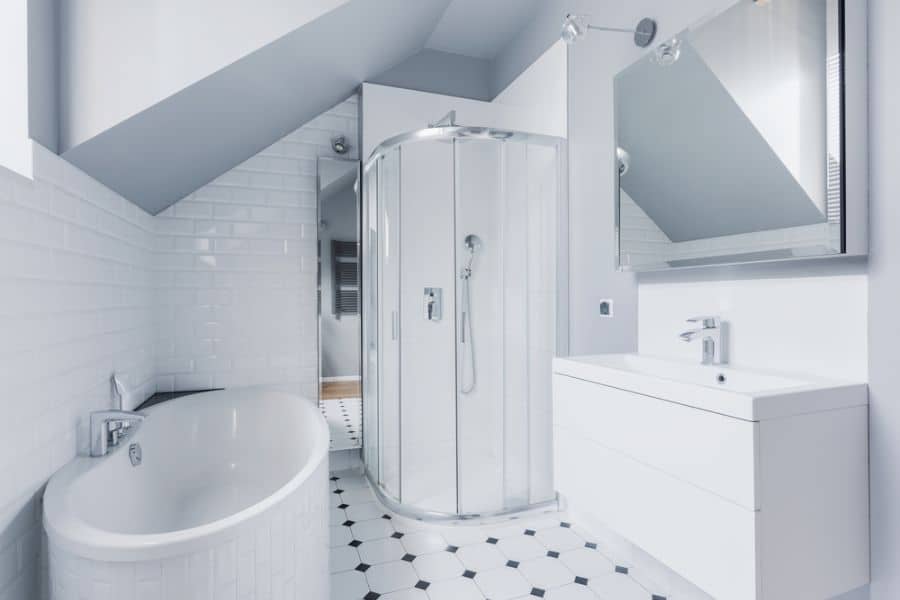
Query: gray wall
{"type": "Point", "coordinates": [593, 274]}
{"type": "Point", "coordinates": [43, 73]}
{"type": "Point", "coordinates": [884, 296]}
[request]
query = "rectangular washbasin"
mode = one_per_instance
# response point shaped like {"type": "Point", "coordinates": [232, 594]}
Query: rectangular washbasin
{"type": "Point", "coordinates": [742, 393]}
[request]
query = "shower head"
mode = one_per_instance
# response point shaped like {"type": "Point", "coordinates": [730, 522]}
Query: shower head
{"type": "Point", "coordinates": [472, 243]}
{"type": "Point", "coordinates": [576, 26]}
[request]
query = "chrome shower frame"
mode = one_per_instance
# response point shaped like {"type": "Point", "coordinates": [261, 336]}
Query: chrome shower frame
{"type": "Point", "coordinates": [500, 135]}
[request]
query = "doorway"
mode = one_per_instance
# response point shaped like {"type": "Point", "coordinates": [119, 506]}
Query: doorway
{"type": "Point", "coordinates": [340, 395]}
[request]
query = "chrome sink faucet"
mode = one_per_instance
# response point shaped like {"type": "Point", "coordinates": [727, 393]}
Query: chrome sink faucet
{"type": "Point", "coordinates": [110, 427]}
{"type": "Point", "coordinates": [711, 337]}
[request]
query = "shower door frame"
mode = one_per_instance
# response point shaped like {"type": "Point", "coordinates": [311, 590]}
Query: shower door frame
{"type": "Point", "coordinates": [562, 324]}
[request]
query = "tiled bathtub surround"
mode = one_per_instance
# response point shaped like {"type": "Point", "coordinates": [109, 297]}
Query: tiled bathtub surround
{"type": "Point", "coordinates": [237, 268]}
{"type": "Point", "coordinates": [265, 557]}
{"type": "Point", "coordinates": [76, 304]}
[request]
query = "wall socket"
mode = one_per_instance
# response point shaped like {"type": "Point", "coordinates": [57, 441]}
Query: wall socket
{"type": "Point", "coordinates": [606, 309]}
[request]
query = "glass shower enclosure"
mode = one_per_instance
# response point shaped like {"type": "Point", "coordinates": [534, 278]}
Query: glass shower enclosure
{"type": "Point", "coordinates": [464, 294]}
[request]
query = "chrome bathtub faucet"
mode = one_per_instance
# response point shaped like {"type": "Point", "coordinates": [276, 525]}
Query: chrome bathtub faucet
{"type": "Point", "coordinates": [711, 337]}
{"type": "Point", "coordinates": [110, 427]}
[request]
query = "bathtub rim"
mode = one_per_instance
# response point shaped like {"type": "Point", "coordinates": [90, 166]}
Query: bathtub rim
{"type": "Point", "coordinates": [70, 533]}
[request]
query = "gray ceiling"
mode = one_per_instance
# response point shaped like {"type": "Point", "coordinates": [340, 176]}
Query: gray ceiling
{"type": "Point", "coordinates": [173, 148]}
{"type": "Point", "coordinates": [480, 28]}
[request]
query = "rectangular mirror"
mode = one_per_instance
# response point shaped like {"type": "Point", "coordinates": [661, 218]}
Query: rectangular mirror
{"type": "Point", "coordinates": [339, 309]}
{"type": "Point", "coordinates": [729, 140]}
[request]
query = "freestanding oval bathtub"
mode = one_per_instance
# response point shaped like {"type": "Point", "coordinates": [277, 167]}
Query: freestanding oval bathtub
{"type": "Point", "coordinates": [230, 500]}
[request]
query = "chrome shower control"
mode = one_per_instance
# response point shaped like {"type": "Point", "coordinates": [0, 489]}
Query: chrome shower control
{"type": "Point", "coordinates": [433, 303]}
{"type": "Point", "coordinates": [135, 454]}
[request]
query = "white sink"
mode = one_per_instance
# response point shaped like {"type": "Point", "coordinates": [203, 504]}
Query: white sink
{"type": "Point", "coordinates": [753, 485]}
{"type": "Point", "coordinates": [741, 393]}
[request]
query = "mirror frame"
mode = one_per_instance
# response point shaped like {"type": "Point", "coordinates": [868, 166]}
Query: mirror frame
{"type": "Point", "coordinates": [853, 42]}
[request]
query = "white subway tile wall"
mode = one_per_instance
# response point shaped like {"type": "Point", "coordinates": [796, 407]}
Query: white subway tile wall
{"type": "Point", "coordinates": [76, 302]}
{"type": "Point", "coordinates": [645, 245]}
{"type": "Point", "coordinates": [236, 268]}
{"type": "Point", "coordinates": [220, 290]}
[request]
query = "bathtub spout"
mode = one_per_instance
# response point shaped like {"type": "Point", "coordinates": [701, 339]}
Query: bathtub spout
{"type": "Point", "coordinates": [109, 427]}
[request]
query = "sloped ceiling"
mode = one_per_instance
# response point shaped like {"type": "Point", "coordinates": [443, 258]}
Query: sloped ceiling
{"type": "Point", "coordinates": [179, 144]}
{"type": "Point", "coordinates": [480, 28]}
{"type": "Point", "coordinates": [117, 58]}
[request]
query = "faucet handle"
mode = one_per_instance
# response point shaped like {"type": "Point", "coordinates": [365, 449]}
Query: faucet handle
{"type": "Point", "coordinates": [709, 322]}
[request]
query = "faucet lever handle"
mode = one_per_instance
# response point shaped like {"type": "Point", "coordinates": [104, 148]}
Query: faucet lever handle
{"type": "Point", "coordinates": [707, 322]}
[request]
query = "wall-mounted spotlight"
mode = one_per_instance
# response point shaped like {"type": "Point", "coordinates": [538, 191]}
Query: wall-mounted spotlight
{"type": "Point", "coordinates": [575, 26]}
{"type": "Point", "coordinates": [340, 145]}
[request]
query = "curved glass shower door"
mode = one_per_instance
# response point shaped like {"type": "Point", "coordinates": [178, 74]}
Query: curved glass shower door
{"type": "Point", "coordinates": [465, 232]}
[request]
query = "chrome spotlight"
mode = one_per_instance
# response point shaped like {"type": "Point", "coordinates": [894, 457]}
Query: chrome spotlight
{"type": "Point", "coordinates": [668, 53]}
{"type": "Point", "coordinates": [574, 27]}
{"type": "Point", "coordinates": [340, 145]}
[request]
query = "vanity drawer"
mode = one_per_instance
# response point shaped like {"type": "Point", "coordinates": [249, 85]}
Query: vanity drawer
{"type": "Point", "coordinates": [711, 451]}
{"type": "Point", "coordinates": [703, 537]}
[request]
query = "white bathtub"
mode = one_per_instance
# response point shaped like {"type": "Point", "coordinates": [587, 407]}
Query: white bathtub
{"type": "Point", "coordinates": [230, 501]}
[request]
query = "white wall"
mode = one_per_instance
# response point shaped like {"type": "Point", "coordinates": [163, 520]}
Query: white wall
{"type": "Point", "coordinates": [15, 149]}
{"type": "Point", "coordinates": [884, 275]}
{"type": "Point", "coordinates": [786, 321]}
{"type": "Point", "coordinates": [76, 304]}
{"type": "Point", "coordinates": [118, 59]}
{"type": "Point", "coordinates": [236, 269]}
{"type": "Point", "coordinates": [543, 85]}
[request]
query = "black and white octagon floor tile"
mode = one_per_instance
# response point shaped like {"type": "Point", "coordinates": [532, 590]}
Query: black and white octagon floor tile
{"type": "Point", "coordinates": [378, 556]}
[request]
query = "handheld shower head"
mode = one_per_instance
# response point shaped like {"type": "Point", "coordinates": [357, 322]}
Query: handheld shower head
{"type": "Point", "coordinates": [473, 244]}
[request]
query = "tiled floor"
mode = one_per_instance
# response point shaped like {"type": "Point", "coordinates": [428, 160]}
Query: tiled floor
{"type": "Point", "coordinates": [376, 555]}
{"type": "Point", "coordinates": [344, 418]}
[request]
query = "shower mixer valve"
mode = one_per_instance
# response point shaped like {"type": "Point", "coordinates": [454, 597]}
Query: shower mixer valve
{"type": "Point", "coordinates": [434, 300]}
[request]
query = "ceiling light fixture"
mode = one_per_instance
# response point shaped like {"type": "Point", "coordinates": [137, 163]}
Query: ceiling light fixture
{"type": "Point", "coordinates": [575, 26]}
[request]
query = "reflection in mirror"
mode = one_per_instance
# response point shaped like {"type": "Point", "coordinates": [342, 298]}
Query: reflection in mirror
{"type": "Point", "coordinates": [729, 140]}
{"type": "Point", "coordinates": [339, 310]}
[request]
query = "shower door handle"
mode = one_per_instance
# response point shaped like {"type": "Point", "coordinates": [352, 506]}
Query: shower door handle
{"type": "Point", "coordinates": [395, 325]}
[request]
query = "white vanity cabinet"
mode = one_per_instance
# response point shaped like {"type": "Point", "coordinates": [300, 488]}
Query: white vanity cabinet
{"type": "Point", "coordinates": [749, 486]}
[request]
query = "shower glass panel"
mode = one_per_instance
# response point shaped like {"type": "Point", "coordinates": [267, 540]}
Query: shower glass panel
{"type": "Point", "coordinates": [389, 242]}
{"type": "Point", "coordinates": [458, 401]}
{"type": "Point", "coordinates": [369, 306]}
